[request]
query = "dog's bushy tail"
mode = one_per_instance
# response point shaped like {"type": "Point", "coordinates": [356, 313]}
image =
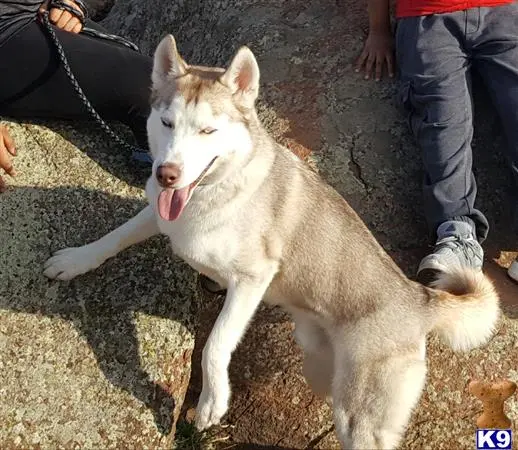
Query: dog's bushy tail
{"type": "Point", "coordinates": [464, 307]}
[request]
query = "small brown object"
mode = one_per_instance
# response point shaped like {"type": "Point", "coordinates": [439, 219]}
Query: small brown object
{"type": "Point", "coordinates": [190, 415]}
{"type": "Point", "coordinates": [493, 396]}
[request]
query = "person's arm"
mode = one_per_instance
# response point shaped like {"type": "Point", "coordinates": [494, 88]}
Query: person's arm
{"type": "Point", "coordinates": [7, 150]}
{"type": "Point", "coordinates": [379, 47]}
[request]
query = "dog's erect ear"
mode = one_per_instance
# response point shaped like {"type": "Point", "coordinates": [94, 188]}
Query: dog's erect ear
{"type": "Point", "coordinates": [167, 64]}
{"type": "Point", "coordinates": [242, 77]}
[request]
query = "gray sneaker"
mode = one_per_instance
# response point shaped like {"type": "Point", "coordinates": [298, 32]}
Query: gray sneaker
{"type": "Point", "coordinates": [513, 270]}
{"type": "Point", "coordinates": [456, 246]}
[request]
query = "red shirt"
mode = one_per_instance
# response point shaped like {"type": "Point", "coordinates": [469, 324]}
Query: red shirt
{"type": "Point", "coordinates": [409, 8]}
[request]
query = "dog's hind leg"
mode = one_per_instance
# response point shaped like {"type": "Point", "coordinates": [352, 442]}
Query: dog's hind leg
{"type": "Point", "coordinates": [317, 367]}
{"type": "Point", "coordinates": [373, 400]}
{"type": "Point", "coordinates": [70, 262]}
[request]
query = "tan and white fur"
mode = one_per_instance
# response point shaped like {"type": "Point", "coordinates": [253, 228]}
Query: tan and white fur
{"type": "Point", "coordinates": [244, 211]}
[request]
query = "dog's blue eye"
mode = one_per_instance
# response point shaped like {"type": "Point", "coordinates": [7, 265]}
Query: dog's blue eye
{"type": "Point", "coordinates": [208, 130]}
{"type": "Point", "coordinates": [166, 123]}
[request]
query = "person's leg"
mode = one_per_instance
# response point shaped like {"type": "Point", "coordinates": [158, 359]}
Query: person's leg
{"type": "Point", "coordinates": [115, 79]}
{"type": "Point", "coordinates": [436, 90]}
{"type": "Point", "coordinates": [495, 54]}
{"type": "Point", "coordinates": [95, 26]}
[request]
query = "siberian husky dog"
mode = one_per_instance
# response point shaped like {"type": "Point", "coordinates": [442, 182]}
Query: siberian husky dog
{"type": "Point", "coordinates": [248, 214]}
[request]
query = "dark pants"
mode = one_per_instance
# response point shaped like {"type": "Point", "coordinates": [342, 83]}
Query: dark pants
{"type": "Point", "coordinates": [115, 79]}
{"type": "Point", "coordinates": [435, 54]}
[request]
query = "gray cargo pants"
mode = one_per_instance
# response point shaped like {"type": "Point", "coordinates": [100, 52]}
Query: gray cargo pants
{"type": "Point", "coordinates": [435, 54]}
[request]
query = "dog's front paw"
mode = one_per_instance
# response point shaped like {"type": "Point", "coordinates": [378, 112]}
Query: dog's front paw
{"type": "Point", "coordinates": [70, 262]}
{"type": "Point", "coordinates": [211, 408]}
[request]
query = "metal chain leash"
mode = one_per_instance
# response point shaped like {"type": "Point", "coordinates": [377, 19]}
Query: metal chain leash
{"type": "Point", "coordinates": [138, 153]}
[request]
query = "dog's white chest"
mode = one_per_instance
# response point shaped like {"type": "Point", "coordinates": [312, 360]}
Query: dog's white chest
{"type": "Point", "coordinates": [206, 251]}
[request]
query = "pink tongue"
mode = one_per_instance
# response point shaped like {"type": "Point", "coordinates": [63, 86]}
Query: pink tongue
{"type": "Point", "coordinates": [171, 202]}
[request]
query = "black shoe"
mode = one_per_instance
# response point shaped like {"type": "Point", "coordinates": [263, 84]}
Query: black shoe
{"type": "Point", "coordinates": [210, 285]}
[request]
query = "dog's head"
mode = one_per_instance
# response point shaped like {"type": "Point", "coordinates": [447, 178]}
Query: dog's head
{"type": "Point", "coordinates": [199, 122]}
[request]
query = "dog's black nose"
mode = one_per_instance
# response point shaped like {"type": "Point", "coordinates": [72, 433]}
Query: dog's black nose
{"type": "Point", "coordinates": [167, 174]}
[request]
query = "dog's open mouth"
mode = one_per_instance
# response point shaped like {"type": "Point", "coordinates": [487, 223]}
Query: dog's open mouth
{"type": "Point", "coordinates": [171, 202]}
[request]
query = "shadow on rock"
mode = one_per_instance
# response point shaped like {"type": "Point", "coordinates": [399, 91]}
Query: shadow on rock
{"type": "Point", "coordinates": [103, 305]}
{"type": "Point", "coordinates": [110, 156]}
{"type": "Point", "coordinates": [260, 447]}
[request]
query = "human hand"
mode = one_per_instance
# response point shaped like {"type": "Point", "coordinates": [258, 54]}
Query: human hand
{"type": "Point", "coordinates": [378, 50]}
{"type": "Point", "coordinates": [64, 19]}
{"type": "Point", "coordinates": [7, 150]}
